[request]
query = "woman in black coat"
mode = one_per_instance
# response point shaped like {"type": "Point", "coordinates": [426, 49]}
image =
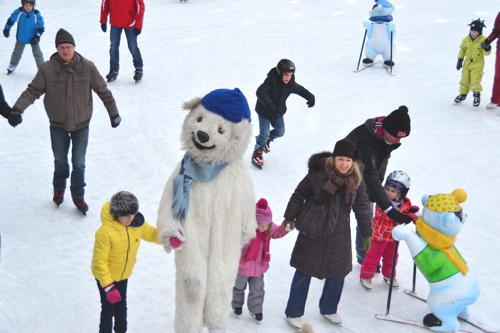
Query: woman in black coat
{"type": "Point", "coordinates": [320, 208]}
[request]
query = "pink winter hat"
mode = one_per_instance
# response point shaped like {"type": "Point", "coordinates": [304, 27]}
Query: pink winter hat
{"type": "Point", "coordinates": [264, 213]}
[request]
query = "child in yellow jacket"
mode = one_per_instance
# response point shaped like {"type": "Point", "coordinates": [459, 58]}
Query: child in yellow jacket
{"type": "Point", "coordinates": [473, 49]}
{"type": "Point", "coordinates": [115, 249]}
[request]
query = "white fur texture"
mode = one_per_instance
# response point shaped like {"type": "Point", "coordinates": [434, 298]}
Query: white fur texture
{"type": "Point", "coordinates": [221, 215]}
{"type": "Point", "coordinates": [306, 328]}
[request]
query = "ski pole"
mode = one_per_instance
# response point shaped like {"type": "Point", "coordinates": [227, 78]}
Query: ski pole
{"type": "Point", "coordinates": [414, 278]}
{"type": "Point", "coordinates": [391, 54]}
{"type": "Point", "coordinates": [394, 257]}
{"type": "Point", "coordinates": [362, 46]}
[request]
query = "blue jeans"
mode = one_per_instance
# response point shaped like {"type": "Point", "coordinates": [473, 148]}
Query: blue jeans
{"type": "Point", "coordinates": [117, 310]}
{"type": "Point", "coordinates": [360, 255]}
{"type": "Point", "coordinates": [265, 132]}
{"type": "Point", "coordinates": [114, 50]}
{"type": "Point", "coordinates": [330, 298]}
{"type": "Point", "coordinates": [61, 140]}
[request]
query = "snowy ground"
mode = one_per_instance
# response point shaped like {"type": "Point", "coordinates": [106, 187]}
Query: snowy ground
{"type": "Point", "coordinates": [190, 49]}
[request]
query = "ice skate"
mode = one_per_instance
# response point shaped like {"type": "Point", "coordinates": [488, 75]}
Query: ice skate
{"type": "Point", "coordinates": [58, 197]}
{"type": "Point", "coordinates": [395, 283]}
{"type": "Point", "coordinates": [267, 148]}
{"type": "Point", "coordinates": [477, 99]}
{"type": "Point", "coordinates": [460, 98]}
{"type": "Point", "coordinates": [491, 105]}
{"type": "Point", "coordinates": [334, 318]}
{"type": "Point", "coordinates": [238, 311]}
{"type": "Point", "coordinates": [81, 205]}
{"type": "Point", "coordinates": [257, 317]}
{"type": "Point", "coordinates": [112, 75]}
{"type": "Point", "coordinates": [257, 159]}
{"type": "Point", "coordinates": [138, 75]}
{"type": "Point", "coordinates": [367, 283]}
{"type": "Point", "coordinates": [294, 322]}
{"type": "Point", "coordinates": [10, 69]}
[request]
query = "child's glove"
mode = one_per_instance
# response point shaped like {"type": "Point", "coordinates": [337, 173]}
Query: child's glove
{"type": "Point", "coordinates": [35, 40]}
{"type": "Point", "coordinates": [400, 218]}
{"type": "Point", "coordinates": [289, 226]}
{"type": "Point", "coordinates": [112, 294]}
{"type": "Point", "coordinates": [311, 101]}
{"type": "Point", "coordinates": [459, 63]}
{"type": "Point", "coordinates": [6, 33]}
{"type": "Point", "coordinates": [15, 118]}
{"type": "Point", "coordinates": [414, 209]}
{"type": "Point", "coordinates": [486, 45]}
{"type": "Point", "coordinates": [115, 121]}
{"type": "Point", "coordinates": [367, 242]}
{"type": "Point", "coordinates": [137, 32]}
{"type": "Point", "coordinates": [173, 240]}
{"type": "Point", "coordinates": [104, 27]}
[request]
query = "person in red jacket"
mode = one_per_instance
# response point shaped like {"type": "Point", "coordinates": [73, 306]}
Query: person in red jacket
{"type": "Point", "coordinates": [495, 33]}
{"type": "Point", "coordinates": [125, 15]}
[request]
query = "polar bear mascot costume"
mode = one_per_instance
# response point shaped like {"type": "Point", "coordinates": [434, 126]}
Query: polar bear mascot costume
{"type": "Point", "coordinates": [453, 285]}
{"type": "Point", "coordinates": [379, 27]}
{"type": "Point", "coordinates": [207, 211]}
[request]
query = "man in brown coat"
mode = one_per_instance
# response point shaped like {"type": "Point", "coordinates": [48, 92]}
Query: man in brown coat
{"type": "Point", "coordinates": [67, 80]}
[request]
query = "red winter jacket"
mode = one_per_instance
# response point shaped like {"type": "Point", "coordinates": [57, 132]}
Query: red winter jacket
{"type": "Point", "coordinates": [123, 13]}
{"type": "Point", "coordinates": [382, 224]}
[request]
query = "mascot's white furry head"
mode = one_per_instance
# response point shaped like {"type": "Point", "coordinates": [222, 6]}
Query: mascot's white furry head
{"type": "Point", "coordinates": [217, 128]}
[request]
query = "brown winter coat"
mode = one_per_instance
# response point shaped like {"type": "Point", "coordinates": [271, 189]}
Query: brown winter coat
{"type": "Point", "coordinates": [68, 92]}
{"type": "Point", "coordinates": [330, 256]}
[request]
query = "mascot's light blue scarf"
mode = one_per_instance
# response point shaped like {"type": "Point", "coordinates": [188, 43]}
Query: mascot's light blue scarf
{"type": "Point", "coordinates": [189, 172]}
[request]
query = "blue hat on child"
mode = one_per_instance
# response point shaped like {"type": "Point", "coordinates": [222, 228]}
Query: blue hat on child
{"type": "Point", "coordinates": [232, 105]}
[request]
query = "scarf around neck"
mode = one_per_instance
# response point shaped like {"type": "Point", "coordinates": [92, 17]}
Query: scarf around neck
{"type": "Point", "coordinates": [255, 247]}
{"type": "Point", "coordinates": [337, 180]}
{"type": "Point", "coordinates": [189, 172]}
{"type": "Point", "coordinates": [440, 241]}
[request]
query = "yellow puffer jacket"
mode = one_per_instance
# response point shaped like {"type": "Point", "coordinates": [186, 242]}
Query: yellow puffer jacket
{"type": "Point", "coordinates": [473, 53]}
{"type": "Point", "coordinates": [116, 246]}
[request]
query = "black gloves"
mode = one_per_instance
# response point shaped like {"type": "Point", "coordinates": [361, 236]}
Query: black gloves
{"type": "Point", "coordinates": [486, 45]}
{"type": "Point", "coordinates": [459, 63]}
{"type": "Point", "coordinates": [399, 218]}
{"type": "Point", "coordinates": [6, 33]}
{"type": "Point", "coordinates": [137, 32]}
{"type": "Point", "coordinates": [115, 121]}
{"type": "Point", "coordinates": [35, 40]}
{"type": "Point", "coordinates": [103, 27]}
{"type": "Point", "coordinates": [311, 101]}
{"type": "Point", "coordinates": [15, 118]}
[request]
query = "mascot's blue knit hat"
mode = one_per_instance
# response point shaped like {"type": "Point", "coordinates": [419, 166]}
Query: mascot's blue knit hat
{"type": "Point", "coordinates": [232, 105]}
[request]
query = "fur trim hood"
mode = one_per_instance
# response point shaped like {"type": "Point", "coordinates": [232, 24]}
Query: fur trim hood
{"type": "Point", "coordinates": [316, 161]}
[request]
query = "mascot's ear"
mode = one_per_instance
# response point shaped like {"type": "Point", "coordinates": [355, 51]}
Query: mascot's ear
{"type": "Point", "coordinates": [192, 104]}
{"type": "Point", "coordinates": [425, 198]}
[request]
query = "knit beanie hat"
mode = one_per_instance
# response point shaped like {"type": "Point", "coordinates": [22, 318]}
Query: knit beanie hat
{"type": "Point", "coordinates": [345, 147]}
{"type": "Point", "coordinates": [477, 25]}
{"type": "Point", "coordinates": [123, 203]}
{"type": "Point", "coordinates": [63, 36]}
{"type": "Point", "coordinates": [264, 213]}
{"type": "Point", "coordinates": [232, 105]}
{"type": "Point", "coordinates": [397, 123]}
{"type": "Point", "coordinates": [444, 203]}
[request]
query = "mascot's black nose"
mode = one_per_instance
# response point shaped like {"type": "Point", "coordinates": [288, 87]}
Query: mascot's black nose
{"type": "Point", "coordinates": [202, 136]}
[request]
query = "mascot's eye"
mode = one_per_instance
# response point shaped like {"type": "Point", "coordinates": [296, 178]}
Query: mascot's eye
{"type": "Point", "coordinates": [200, 119]}
{"type": "Point", "coordinates": [221, 130]}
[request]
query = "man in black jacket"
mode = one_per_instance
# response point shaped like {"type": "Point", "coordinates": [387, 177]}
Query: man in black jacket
{"type": "Point", "coordinates": [375, 140]}
{"type": "Point", "coordinates": [271, 106]}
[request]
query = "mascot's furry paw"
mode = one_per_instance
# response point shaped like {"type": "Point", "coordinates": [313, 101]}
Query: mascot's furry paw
{"type": "Point", "coordinates": [306, 328]}
{"type": "Point", "coordinates": [173, 240]}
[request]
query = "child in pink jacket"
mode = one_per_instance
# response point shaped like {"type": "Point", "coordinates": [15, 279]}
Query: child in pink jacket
{"type": "Point", "coordinates": [254, 262]}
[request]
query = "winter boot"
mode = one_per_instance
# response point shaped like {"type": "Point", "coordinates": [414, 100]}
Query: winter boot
{"type": "Point", "coordinates": [460, 98]}
{"type": "Point", "coordinates": [334, 318]}
{"type": "Point", "coordinates": [257, 158]}
{"type": "Point", "coordinates": [10, 69]}
{"type": "Point", "coordinates": [238, 311]}
{"type": "Point", "coordinates": [395, 283]}
{"type": "Point", "coordinates": [58, 197]}
{"type": "Point", "coordinates": [431, 320]}
{"type": "Point", "coordinates": [81, 205]}
{"type": "Point", "coordinates": [477, 99]}
{"type": "Point", "coordinates": [367, 62]}
{"type": "Point", "coordinates": [112, 75]}
{"type": "Point", "coordinates": [367, 283]}
{"type": "Point", "coordinates": [267, 148]}
{"type": "Point", "coordinates": [138, 74]}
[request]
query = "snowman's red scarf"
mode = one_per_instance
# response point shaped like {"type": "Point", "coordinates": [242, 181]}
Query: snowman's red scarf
{"type": "Point", "coordinates": [440, 241]}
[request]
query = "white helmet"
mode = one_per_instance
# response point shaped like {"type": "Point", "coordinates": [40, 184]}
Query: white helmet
{"type": "Point", "coordinates": [402, 178]}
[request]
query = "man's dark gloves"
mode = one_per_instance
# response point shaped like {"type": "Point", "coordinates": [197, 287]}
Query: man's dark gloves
{"type": "Point", "coordinates": [311, 101]}
{"type": "Point", "coordinates": [15, 118]}
{"type": "Point", "coordinates": [35, 40]}
{"type": "Point", "coordinates": [103, 27]}
{"type": "Point", "coordinates": [6, 33]}
{"type": "Point", "coordinates": [459, 64]}
{"type": "Point", "coordinates": [115, 121]}
{"type": "Point", "coordinates": [137, 32]}
{"type": "Point", "coordinates": [400, 218]}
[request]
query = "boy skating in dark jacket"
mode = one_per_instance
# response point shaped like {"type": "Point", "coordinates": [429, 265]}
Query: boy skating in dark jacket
{"type": "Point", "coordinates": [271, 106]}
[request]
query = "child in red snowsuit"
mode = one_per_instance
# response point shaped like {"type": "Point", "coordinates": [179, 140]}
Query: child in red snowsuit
{"type": "Point", "coordinates": [495, 33]}
{"type": "Point", "coordinates": [396, 186]}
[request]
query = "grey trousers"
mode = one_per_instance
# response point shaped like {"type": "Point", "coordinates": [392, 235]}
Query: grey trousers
{"type": "Point", "coordinates": [18, 53]}
{"type": "Point", "coordinates": [255, 293]}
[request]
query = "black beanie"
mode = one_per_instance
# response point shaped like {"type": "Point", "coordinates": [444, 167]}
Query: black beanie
{"type": "Point", "coordinates": [63, 36]}
{"type": "Point", "coordinates": [123, 203]}
{"type": "Point", "coordinates": [477, 25]}
{"type": "Point", "coordinates": [398, 123]}
{"type": "Point", "coordinates": [345, 147]}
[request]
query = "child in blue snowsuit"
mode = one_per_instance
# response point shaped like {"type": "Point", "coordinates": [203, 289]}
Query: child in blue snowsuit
{"type": "Point", "coordinates": [30, 27]}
